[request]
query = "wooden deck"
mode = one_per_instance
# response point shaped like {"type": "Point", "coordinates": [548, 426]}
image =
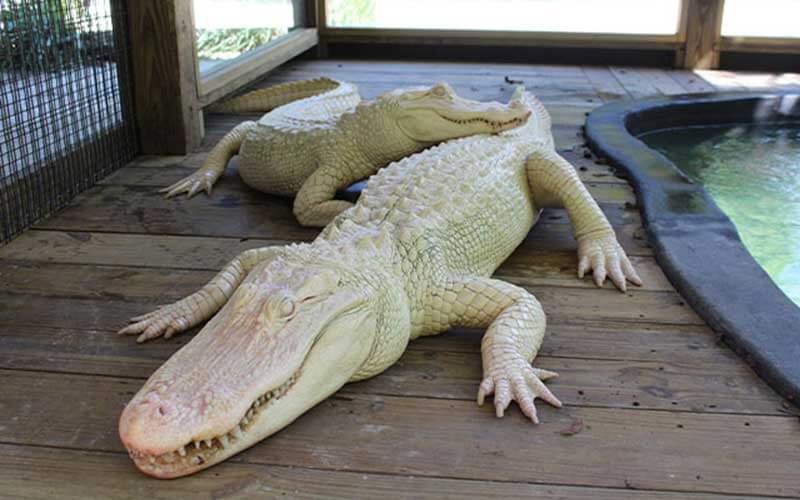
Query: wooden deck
{"type": "Point", "coordinates": [654, 406]}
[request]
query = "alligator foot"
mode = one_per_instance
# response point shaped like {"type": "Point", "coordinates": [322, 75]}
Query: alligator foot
{"type": "Point", "coordinates": [202, 180]}
{"type": "Point", "coordinates": [171, 319]}
{"type": "Point", "coordinates": [604, 256]}
{"type": "Point", "coordinates": [515, 379]}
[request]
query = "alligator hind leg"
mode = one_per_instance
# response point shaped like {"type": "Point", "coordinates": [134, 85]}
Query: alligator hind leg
{"type": "Point", "coordinates": [516, 323]}
{"type": "Point", "coordinates": [213, 166]}
{"type": "Point", "coordinates": [199, 306]}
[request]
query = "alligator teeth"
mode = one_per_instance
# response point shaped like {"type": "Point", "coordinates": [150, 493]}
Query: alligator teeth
{"type": "Point", "coordinates": [197, 456]}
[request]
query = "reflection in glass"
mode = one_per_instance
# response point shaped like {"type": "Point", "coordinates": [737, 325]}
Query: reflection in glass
{"type": "Point", "coordinates": [226, 29]}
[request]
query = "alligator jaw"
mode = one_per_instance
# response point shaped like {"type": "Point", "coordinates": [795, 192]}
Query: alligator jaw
{"type": "Point", "coordinates": [196, 455]}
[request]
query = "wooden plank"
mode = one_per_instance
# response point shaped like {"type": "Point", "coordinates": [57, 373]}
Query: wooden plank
{"type": "Point", "coordinates": [162, 42]}
{"type": "Point", "coordinates": [661, 80]}
{"type": "Point", "coordinates": [704, 23]}
{"type": "Point", "coordinates": [693, 82]}
{"type": "Point", "coordinates": [636, 85]}
{"type": "Point", "coordinates": [231, 212]}
{"type": "Point", "coordinates": [766, 82]}
{"type": "Point", "coordinates": [650, 449]}
{"type": "Point", "coordinates": [720, 80]}
{"type": "Point", "coordinates": [545, 81]}
{"type": "Point", "coordinates": [31, 472]}
{"type": "Point", "coordinates": [605, 83]}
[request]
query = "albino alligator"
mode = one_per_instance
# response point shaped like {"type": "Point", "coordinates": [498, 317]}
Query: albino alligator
{"type": "Point", "coordinates": [413, 257]}
{"type": "Point", "coordinates": [319, 138]}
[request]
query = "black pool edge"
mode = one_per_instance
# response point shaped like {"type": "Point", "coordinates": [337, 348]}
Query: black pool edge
{"type": "Point", "coordinates": [696, 244]}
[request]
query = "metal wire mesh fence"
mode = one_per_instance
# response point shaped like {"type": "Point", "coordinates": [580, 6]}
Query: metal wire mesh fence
{"type": "Point", "coordinates": [65, 109]}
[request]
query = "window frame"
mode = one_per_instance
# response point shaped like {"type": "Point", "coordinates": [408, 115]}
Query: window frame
{"type": "Point", "coordinates": [697, 41]}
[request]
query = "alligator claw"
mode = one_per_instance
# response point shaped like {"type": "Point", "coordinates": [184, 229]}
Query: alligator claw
{"type": "Point", "coordinates": [604, 256]}
{"type": "Point", "coordinates": [202, 180]}
{"type": "Point", "coordinates": [521, 383]}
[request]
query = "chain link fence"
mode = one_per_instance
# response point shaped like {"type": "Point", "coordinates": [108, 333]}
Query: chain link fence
{"type": "Point", "coordinates": [66, 116]}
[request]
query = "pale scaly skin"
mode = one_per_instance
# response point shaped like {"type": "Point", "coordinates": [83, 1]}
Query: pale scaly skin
{"type": "Point", "coordinates": [318, 137]}
{"type": "Point", "coordinates": [414, 257]}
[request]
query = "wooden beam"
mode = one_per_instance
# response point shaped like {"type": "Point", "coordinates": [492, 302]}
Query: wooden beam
{"type": "Point", "coordinates": [761, 45]}
{"type": "Point", "coordinates": [703, 23]}
{"type": "Point", "coordinates": [310, 11]}
{"type": "Point", "coordinates": [498, 38]}
{"type": "Point", "coordinates": [162, 40]}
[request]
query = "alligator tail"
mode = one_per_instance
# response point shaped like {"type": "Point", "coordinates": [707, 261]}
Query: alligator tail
{"type": "Point", "coordinates": [267, 99]}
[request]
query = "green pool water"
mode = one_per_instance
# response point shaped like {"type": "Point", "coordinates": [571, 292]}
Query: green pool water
{"type": "Point", "coordinates": [753, 173]}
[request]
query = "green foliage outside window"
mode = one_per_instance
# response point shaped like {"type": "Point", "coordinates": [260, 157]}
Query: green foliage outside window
{"type": "Point", "coordinates": [351, 12]}
{"type": "Point", "coordinates": [229, 43]}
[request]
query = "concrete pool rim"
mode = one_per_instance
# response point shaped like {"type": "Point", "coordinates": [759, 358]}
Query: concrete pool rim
{"type": "Point", "coordinates": [695, 243]}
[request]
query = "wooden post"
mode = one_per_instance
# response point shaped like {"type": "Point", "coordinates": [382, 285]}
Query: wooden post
{"type": "Point", "coordinates": [703, 23]}
{"type": "Point", "coordinates": [321, 23]}
{"type": "Point", "coordinates": [162, 39]}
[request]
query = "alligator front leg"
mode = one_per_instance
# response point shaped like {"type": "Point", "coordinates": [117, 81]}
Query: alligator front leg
{"type": "Point", "coordinates": [516, 323]}
{"type": "Point", "coordinates": [213, 167]}
{"type": "Point", "coordinates": [555, 183]}
{"type": "Point", "coordinates": [199, 306]}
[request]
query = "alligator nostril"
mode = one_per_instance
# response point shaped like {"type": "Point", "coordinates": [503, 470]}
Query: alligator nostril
{"type": "Point", "coordinates": [162, 411]}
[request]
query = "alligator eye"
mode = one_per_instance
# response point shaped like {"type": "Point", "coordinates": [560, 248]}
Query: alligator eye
{"type": "Point", "coordinates": [287, 308]}
{"type": "Point", "coordinates": [439, 91]}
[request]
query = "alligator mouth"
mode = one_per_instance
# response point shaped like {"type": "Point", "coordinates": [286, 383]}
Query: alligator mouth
{"type": "Point", "coordinates": [198, 453]}
{"type": "Point", "coordinates": [495, 124]}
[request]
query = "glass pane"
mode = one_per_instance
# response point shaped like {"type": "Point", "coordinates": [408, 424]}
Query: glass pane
{"type": "Point", "coordinates": [578, 16]}
{"type": "Point", "coordinates": [767, 18]}
{"type": "Point", "coordinates": [226, 29]}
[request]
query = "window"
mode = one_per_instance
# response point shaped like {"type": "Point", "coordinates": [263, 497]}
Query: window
{"type": "Point", "coordinates": [226, 29]}
{"type": "Point", "coordinates": [658, 17]}
{"type": "Point", "coordinates": [764, 18]}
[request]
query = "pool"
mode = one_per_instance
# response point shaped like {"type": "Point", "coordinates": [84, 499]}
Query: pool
{"type": "Point", "coordinates": [753, 174]}
{"type": "Point", "coordinates": [717, 180]}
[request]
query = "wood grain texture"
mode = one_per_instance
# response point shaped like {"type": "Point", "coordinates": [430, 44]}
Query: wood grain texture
{"type": "Point", "coordinates": [162, 42]}
{"type": "Point", "coordinates": [703, 34]}
{"type": "Point", "coordinates": [406, 435]}
{"type": "Point", "coordinates": [666, 410]}
{"type": "Point", "coordinates": [81, 474]}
